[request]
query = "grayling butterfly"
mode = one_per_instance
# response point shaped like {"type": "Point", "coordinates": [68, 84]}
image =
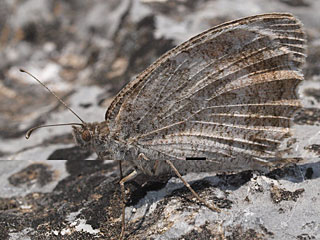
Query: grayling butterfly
{"type": "Point", "coordinates": [221, 101]}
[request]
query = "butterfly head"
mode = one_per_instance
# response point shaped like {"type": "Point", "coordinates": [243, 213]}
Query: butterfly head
{"type": "Point", "coordinates": [95, 137]}
{"type": "Point", "coordinates": [84, 135]}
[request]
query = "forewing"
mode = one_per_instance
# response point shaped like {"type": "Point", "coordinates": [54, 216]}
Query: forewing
{"type": "Point", "coordinates": [229, 91]}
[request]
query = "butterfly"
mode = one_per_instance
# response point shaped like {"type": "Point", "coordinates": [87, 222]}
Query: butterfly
{"type": "Point", "coordinates": [221, 101]}
{"type": "Point", "coordinates": [227, 95]}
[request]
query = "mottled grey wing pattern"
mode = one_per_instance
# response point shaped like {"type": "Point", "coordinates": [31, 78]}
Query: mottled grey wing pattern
{"type": "Point", "coordinates": [227, 92]}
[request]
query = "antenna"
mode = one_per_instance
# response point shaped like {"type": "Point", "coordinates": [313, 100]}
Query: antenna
{"type": "Point", "coordinates": [49, 125]}
{"type": "Point", "coordinates": [60, 100]}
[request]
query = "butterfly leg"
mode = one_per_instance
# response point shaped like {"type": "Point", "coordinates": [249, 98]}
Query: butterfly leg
{"type": "Point", "coordinates": [156, 164]}
{"type": "Point", "coordinates": [123, 196]}
{"type": "Point", "coordinates": [212, 207]}
{"type": "Point", "coordinates": [120, 169]}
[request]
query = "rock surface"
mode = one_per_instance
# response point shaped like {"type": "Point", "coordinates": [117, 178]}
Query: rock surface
{"type": "Point", "coordinates": [86, 51]}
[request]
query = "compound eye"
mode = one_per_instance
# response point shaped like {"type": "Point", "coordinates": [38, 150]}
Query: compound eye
{"type": "Point", "coordinates": [86, 136]}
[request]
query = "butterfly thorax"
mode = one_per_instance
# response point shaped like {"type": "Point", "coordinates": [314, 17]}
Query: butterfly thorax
{"type": "Point", "coordinates": [96, 137]}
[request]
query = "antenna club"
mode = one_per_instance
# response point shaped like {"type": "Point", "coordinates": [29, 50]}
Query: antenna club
{"type": "Point", "coordinates": [22, 70]}
{"type": "Point", "coordinates": [28, 134]}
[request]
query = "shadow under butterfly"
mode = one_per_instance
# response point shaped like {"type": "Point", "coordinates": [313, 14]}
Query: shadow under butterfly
{"type": "Point", "coordinates": [222, 101]}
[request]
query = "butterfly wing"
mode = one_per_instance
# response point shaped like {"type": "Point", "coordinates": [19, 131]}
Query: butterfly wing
{"type": "Point", "coordinates": [228, 92]}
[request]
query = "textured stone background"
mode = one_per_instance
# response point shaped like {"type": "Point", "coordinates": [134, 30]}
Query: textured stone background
{"type": "Point", "coordinates": [86, 51]}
